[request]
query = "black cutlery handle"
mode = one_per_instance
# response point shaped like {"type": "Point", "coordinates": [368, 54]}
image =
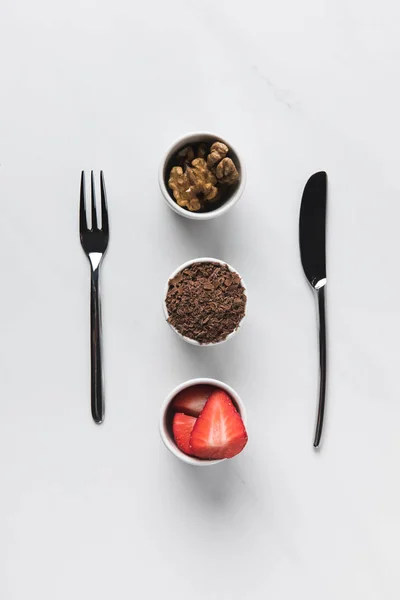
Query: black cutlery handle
{"type": "Point", "coordinates": [322, 365]}
{"type": "Point", "coordinates": [97, 395]}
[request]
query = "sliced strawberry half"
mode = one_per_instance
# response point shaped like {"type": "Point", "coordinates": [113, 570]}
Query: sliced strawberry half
{"type": "Point", "coordinates": [182, 426]}
{"type": "Point", "coordinates": [191, 400]}
{"type": "Point", "coordinates": [219, 431]}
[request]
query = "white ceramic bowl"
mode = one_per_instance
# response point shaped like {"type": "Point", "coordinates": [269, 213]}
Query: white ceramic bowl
{"type": "Point", "coordinates": [165, 419]}
{"type": "Point", "coordinates": [181, 268]}
{"type": "Point", "coordinates": [186, 140]}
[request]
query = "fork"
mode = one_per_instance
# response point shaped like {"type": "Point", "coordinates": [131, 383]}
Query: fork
{"type": "Point", "coordinates": [94, 243]}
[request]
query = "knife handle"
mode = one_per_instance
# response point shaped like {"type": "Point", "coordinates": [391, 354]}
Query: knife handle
{"type": "Point", "coordinates": [322, 365]}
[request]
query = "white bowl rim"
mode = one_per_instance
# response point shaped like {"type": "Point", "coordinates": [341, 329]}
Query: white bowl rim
{"type": "Point", "coordinates": [170, 444]}
{"type": "Point", "coordinates": [188, 264]}
{"type": "Point", "coordinates": [186, 138]}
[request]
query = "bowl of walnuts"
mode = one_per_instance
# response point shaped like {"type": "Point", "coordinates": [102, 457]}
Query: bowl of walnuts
{"type": "Point", "coordinates": [201, 176]}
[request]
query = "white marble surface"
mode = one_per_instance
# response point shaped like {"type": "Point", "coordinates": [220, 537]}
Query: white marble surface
{"type": "Point", "coordinates": [88, 512]}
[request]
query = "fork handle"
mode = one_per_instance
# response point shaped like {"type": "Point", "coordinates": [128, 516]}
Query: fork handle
{"type": "Point", "coordinates": [322, 365]}
{"type": "Point", "coordinates": [97, 394]}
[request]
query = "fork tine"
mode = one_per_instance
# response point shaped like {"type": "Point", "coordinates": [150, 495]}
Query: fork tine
{"type": "Point", "coordinates": [94, 213]}
{"type": "Point", "coordinates": [82, 206]}
{"type": "Point", "coordinates": [104, 210]}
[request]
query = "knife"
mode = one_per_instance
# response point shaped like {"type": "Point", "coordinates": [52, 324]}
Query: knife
{"type": "Point", "coordinates": [312, 229]}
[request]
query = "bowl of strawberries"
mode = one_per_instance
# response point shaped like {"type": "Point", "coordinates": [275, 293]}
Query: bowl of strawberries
{"type": "Point", "coordinates": [203, 422]}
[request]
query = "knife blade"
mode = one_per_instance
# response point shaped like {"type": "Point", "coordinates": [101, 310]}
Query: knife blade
{"type": "Point", "coordinates": [312, 238]}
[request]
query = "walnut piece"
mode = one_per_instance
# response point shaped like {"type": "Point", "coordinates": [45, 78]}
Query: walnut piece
{"type": "Point", "coordinates": [202, 179]}
{"type": "Point", "coordinates": [218, 151]}
{"type": "Point", "coordinates": [185, 196]}
{"type": "Point", "coordinates": [185, 156]}
{"type": "Point", "coordinates": [202, 151]}
{"type": "Point", "coordinates": [194, 186]}
{"type": "Point", "coordinates": [226, 171]}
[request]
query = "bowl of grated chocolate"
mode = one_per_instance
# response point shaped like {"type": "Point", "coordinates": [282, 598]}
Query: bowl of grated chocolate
{"type": "Point", "coordinates": [201, 176]}
{"type": "Point", "coordinates": [205, 301]}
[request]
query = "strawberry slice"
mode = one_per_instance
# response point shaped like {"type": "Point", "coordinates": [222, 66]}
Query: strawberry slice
{"type": "Point", "coordinates": [191, 400]}
{"type": "Point", "coordinates": [182, 426]}
{"type": "Point", "coordinates": [219, 431]}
